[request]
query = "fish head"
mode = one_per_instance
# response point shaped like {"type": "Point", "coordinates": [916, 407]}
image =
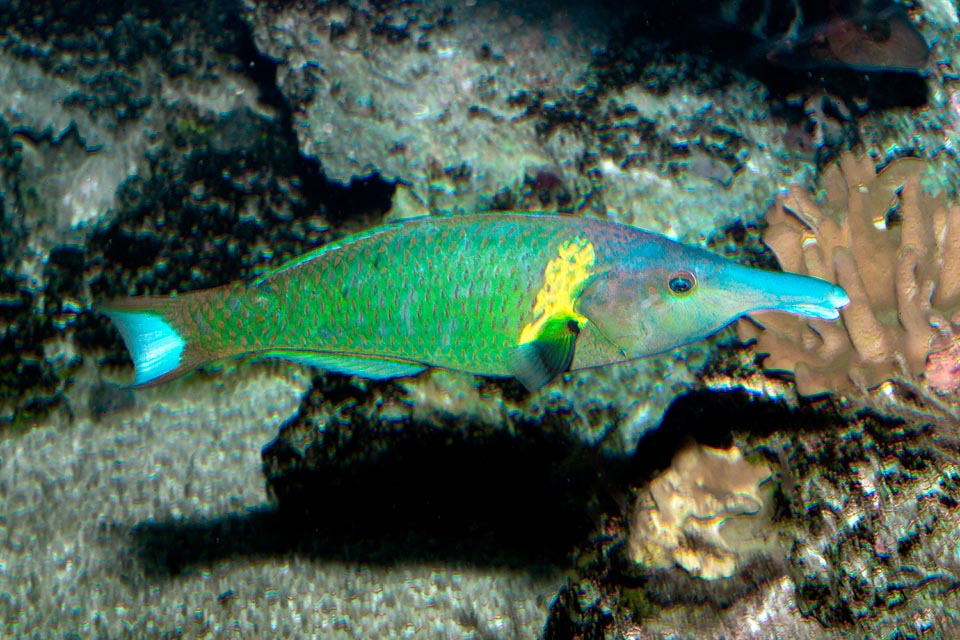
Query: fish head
{"type": "Point", "coordinates": [669, 294]}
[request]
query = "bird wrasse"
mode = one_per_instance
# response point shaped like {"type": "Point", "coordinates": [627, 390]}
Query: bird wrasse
{"type": "Point", "coordinates": [521, 295]}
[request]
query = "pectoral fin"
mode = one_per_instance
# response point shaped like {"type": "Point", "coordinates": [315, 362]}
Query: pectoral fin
{"type": "Point", "coordinates": [550, 353]}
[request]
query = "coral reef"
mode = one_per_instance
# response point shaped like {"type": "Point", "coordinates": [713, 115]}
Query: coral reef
{"type": "Point", "coordinates": [896, 250]}
{"type": "Point", "coordinates": [424, 94]}
{"type": "Point", "coordinates": [863, 534]}
{"type": "Point", "coordinates": [678, 520]}
{"type": "Point", "coordinates": [873, 524]}
{"type": "Point", "coordinates": [153, 147]}
{"type": "Point", "coordinates": [604, 124]}
{"type": "Point", "coordinates": [526, 106]}
{"type": "Point", "coordinates": [82, 130]}
{"type": "Point", "coordinates": [92, 102]}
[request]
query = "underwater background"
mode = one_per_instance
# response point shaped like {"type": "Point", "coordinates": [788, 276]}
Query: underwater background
{"type": "Point", "coordinates": [784, 478]}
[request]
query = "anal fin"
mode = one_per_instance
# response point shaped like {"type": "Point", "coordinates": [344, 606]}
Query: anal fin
{"type": "Point", "coordinates": [540, 360]}
{"type": "Point", "coordinates": [364, 367]}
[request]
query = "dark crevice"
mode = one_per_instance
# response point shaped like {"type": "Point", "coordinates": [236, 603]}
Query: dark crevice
{"type": "Point", "coordinates": [362, 195]}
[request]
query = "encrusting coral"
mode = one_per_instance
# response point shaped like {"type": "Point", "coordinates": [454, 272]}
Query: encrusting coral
{"type": "Point", "coordinates": [678, 520]}
{"type": "Point", "coordinates": [896, 250]}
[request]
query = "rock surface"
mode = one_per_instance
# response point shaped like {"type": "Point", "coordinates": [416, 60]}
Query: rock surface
{"type": "Point", "coordinates": [152, 523]}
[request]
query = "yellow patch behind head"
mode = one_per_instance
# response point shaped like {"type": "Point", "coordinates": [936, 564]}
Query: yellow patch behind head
{"type": "Point", "coordinates": [563, 280]}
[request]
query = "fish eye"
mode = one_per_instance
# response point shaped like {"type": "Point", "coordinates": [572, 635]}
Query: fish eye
{"type": "Point", "coordinates": [682, 282]}
{"type": "Point", "coordinates": [877, 31]}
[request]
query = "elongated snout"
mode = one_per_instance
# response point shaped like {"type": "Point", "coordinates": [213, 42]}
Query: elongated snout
{"type": "Point", "coordinates": [761, 290]}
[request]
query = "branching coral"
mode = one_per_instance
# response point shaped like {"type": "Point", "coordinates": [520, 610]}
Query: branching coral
{"type": "Point", "coordinates": [896, 251]}
{"type": "Point", "coordinates": [678, 519]}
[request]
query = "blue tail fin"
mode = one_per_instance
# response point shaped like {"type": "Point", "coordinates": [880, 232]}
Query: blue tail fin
{"type": "Point", "coordinates": [158, 351]}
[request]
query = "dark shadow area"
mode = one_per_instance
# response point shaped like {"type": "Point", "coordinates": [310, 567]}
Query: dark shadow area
{"type": "Point", "coordinates": [432, 495]}
{"type": "Point", "coordinates": [710, 418]}
{"type": "Point", "coordinates": [429, 496]}
{"type": "Point", "coordinates": [369, 196]}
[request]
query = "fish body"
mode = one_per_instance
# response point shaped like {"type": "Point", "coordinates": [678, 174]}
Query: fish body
{"type": "Point", "coordinates": [873, 35]}
{"type": "Point", "coordinates": [495, 294]}
{"type": "Point", "coordinates": [864, 35]}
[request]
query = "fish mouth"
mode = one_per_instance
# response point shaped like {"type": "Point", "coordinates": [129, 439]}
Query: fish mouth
{"type": "Point", "coordinates": [789, 292]}
{"type": "Point", "coordinates": [835, 299]}
{"type": "Point", "coordinates": [813, 311]}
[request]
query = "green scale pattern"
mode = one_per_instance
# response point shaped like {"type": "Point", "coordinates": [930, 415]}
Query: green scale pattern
{"type": "Point", "coordinates": [453, 292]}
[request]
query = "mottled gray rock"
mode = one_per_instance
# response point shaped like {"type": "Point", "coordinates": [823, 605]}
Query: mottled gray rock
{"type": "Point", "coordinates": [493, 106]}
{"type": "Point", "coordinates": [863, 541]}
{"type": "Point", "coordinates": [152, 523]}
{"type": "Point", "coordinates": [74, 154]}
{"type": "Point", "coordinates": [87, 105]}
{"type": "Point", "coordinates": [425, 93]}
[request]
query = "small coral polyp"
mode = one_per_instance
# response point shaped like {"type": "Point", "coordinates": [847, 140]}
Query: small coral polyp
{"type": "Point", "coordinates": [895, 249]}
{"type": "Point", "coordinates": [678, 520]}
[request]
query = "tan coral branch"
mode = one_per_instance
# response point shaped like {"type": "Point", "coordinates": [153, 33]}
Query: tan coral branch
{"type": "Point", "coordinates": [947, 294]}
{"type": "Point", "coordinates": [903, 279]}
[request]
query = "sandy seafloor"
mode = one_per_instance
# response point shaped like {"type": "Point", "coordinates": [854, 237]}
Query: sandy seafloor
{"type": "Point", "coordinates": [154, 522]}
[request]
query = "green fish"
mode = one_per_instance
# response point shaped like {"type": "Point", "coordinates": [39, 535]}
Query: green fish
{"type": "Point", "coordinates": [520, 295]}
